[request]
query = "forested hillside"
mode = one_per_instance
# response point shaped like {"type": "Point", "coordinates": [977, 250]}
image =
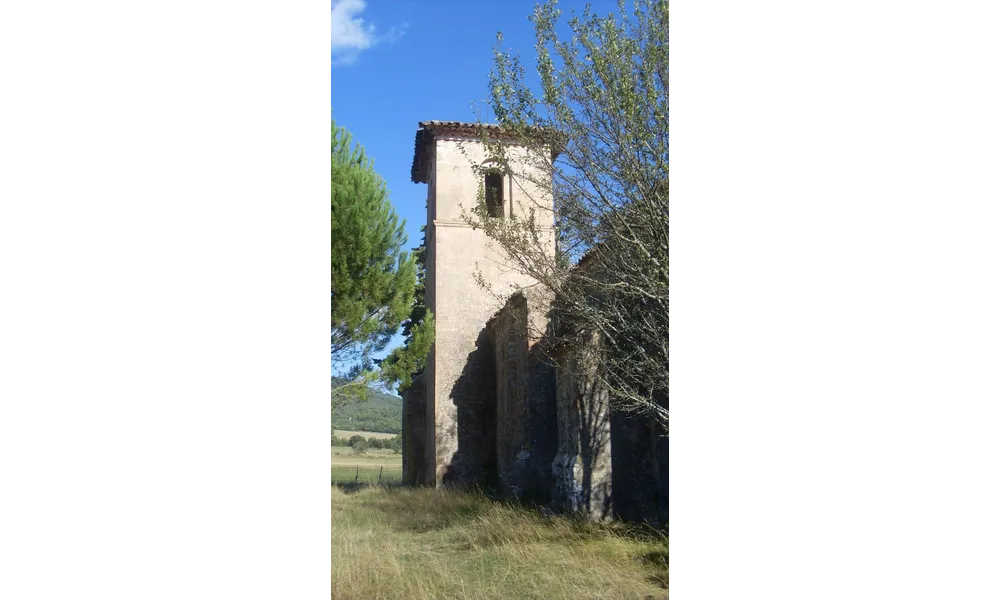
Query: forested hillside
{"type": "Point", "coordinates": [379, 412]}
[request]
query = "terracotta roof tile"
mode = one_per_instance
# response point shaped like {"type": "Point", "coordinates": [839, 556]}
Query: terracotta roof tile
{"type": "Point", "coordinates": [427, 130]}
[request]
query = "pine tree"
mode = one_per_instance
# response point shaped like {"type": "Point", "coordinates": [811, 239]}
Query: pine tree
{"type": "Point", "coordinates": [408, 361]}
{"type": "Point", "coordinates": [372, 279]}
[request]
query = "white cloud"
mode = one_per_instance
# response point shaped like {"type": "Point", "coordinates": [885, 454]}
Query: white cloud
{"type": "Point", "coordinates": [350, 34]}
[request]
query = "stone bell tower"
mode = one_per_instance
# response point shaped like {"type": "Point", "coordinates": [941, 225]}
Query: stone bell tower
{"type": "Point", "coordinates": [449, 427]}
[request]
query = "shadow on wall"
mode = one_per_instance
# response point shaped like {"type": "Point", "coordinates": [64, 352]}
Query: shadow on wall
{"type": "Point", "coordinates": [595, 452]}
{"type": "Point", "coordinates": [543, 430]}
{"type": "Point", "coordinates": [641, 466]}
{"type": "Point", "coordinates": [582, 468]}
{"type": "Point", "coordinates": [635, 469]}
{"type": "Point", "coordinates": [474, 397]}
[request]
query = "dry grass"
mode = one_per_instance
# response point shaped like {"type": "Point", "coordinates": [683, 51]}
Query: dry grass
{"type": "Point", "coordinates": [431, 544]}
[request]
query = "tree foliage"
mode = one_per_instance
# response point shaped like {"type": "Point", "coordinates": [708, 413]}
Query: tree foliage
{"type": "Point", "coordinates": [372, 278]}
{"type": "Point", "coordinates": [395, 443]}
{"type": "Point", "coordinates": [602, 103]}
{"type": "Point", "coordinates": [406, 362]}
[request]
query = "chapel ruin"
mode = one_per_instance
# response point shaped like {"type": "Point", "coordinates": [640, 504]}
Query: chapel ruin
{"type": "Point", "coordinates": [490, 408]}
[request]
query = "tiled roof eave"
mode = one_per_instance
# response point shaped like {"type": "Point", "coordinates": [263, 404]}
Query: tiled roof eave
{"type": "Point", "coordinates": [428, 130]}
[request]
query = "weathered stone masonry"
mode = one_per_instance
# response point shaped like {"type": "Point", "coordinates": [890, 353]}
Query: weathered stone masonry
{"type": "Point", "coordinates": [581, 471]}
{"type": "Point", "coordinates": [526, 435]}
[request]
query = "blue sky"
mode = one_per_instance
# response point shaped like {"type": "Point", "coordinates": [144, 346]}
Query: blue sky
{"type": "Point", "coordinates": [397, 62]}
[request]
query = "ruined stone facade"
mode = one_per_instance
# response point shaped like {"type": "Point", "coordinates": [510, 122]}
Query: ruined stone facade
{"type": "Point", "coordinates": [526, 434]}
{"type": "Point", "coordinates": [496, 406]}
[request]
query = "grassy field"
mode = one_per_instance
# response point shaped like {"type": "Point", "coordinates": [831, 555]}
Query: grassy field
{"type": "Point", "coordinates": [343, 433]}
{"type": "Point", "coordinates": [423, 544]}
{"type": "Point", "coordinates": [366, 474]}
{"type": "Point", "coordinates": [347, 467]}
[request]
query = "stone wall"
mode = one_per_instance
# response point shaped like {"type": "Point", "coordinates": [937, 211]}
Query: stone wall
{"type": "Point", "coordinates": [639, 463]}
{"type": "Point", "coordinates": [534, 424]}
{"type": "Point", "coordinates": [460, 389]}
{"type": "Point", "coordinates": [582, 468]}
{"type": "Point", "coordinates": [525, 397]}
{"type": "Point", "coordinates": [466, 446]}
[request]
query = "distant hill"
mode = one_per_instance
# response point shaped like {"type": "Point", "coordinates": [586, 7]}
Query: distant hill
{"type": "Point", "coordinates": [381, 413]}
